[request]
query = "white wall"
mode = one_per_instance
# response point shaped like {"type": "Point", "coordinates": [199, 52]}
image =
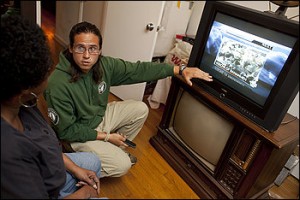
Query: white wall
{"type": "Point", "coordinates": [93, 12]}
{"type": "Point", "coordinates": [258, 5]}
{"type": "Point", "coordinates": [67, 14]}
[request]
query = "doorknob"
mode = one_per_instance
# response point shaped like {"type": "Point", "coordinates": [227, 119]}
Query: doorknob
{"type": "Point", "coordinates": [150, 27]}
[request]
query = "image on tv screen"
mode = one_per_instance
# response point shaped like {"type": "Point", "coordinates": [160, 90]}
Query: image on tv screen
{"type": "Point", "coordinates": [248, 63]}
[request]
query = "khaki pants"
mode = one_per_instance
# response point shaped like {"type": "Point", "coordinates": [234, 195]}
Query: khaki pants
{"type": "Point", "coordinates": [126, 117]}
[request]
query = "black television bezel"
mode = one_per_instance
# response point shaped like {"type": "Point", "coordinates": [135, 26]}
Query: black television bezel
{"type": "Point", "coordinates": [286, 87]}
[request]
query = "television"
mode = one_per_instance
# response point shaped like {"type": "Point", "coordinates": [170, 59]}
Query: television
{"type": "Point", "coordinates": [253, 57]}
{"type": "Point", "coordinates": [197, 126]}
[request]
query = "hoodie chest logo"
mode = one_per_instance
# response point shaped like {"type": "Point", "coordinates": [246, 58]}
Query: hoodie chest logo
{"type": "Point", "coordinates": [101, 87]}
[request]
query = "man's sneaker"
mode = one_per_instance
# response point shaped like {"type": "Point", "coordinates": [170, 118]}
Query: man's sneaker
{"type": "Point", "coordinates": [133, 159]}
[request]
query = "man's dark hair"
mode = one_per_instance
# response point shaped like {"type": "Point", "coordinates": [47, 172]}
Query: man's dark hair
{"type": "Point", "coordinates": [84, 27]}
{"type": "Point", "coordinates": [25, 55]}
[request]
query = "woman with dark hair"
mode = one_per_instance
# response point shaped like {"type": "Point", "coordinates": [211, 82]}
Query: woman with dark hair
{"type": "Point", "coordinates": [78, 92]}
{"type": "Point", "coordinates": [32, 163]}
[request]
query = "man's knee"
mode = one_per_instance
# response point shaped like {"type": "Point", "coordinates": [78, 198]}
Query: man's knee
{"type": "Point", "coordinates": [142, 109]}
{"type": "Point", "coordinates": [123, 168]}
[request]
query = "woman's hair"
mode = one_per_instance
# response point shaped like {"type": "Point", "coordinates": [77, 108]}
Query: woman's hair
{"type": "Point", "coordinates": [84, 27]}
{"type": "Point", "coordinates": [25, 55]}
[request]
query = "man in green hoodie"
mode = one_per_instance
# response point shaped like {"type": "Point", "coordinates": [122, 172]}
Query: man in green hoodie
{"type": "Point", "coordinates": [77, 97]}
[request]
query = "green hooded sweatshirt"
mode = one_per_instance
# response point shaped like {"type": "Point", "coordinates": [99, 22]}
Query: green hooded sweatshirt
{"type": "Point", "coordinates": [77, 108]}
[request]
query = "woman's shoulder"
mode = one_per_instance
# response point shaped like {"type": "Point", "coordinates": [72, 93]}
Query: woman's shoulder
{"type": "Point", "coordinates": [14, 143]}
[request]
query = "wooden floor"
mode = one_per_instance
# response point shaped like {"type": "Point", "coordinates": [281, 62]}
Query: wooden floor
{"type": "Point", "coordinates": [151, 177]}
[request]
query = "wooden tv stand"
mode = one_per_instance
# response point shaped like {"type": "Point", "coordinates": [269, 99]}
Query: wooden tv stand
{"type": "Point", "coordinates": [235, 176]}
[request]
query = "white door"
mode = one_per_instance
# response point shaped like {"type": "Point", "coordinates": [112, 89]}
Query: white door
{"type": "Point", "coordinates": [125, 36]}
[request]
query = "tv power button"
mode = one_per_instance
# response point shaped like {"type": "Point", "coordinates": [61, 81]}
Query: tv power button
{"type": "Point", "coordinates": [222, 95]}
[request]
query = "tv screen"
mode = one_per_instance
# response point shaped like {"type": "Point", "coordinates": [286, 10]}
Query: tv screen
{"type": "Point", "coordinates": [206, 139]}
{"type": "Point", "coordinates": [248, 63]}
{"type": "Point", "coordinates": [253, 57]}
